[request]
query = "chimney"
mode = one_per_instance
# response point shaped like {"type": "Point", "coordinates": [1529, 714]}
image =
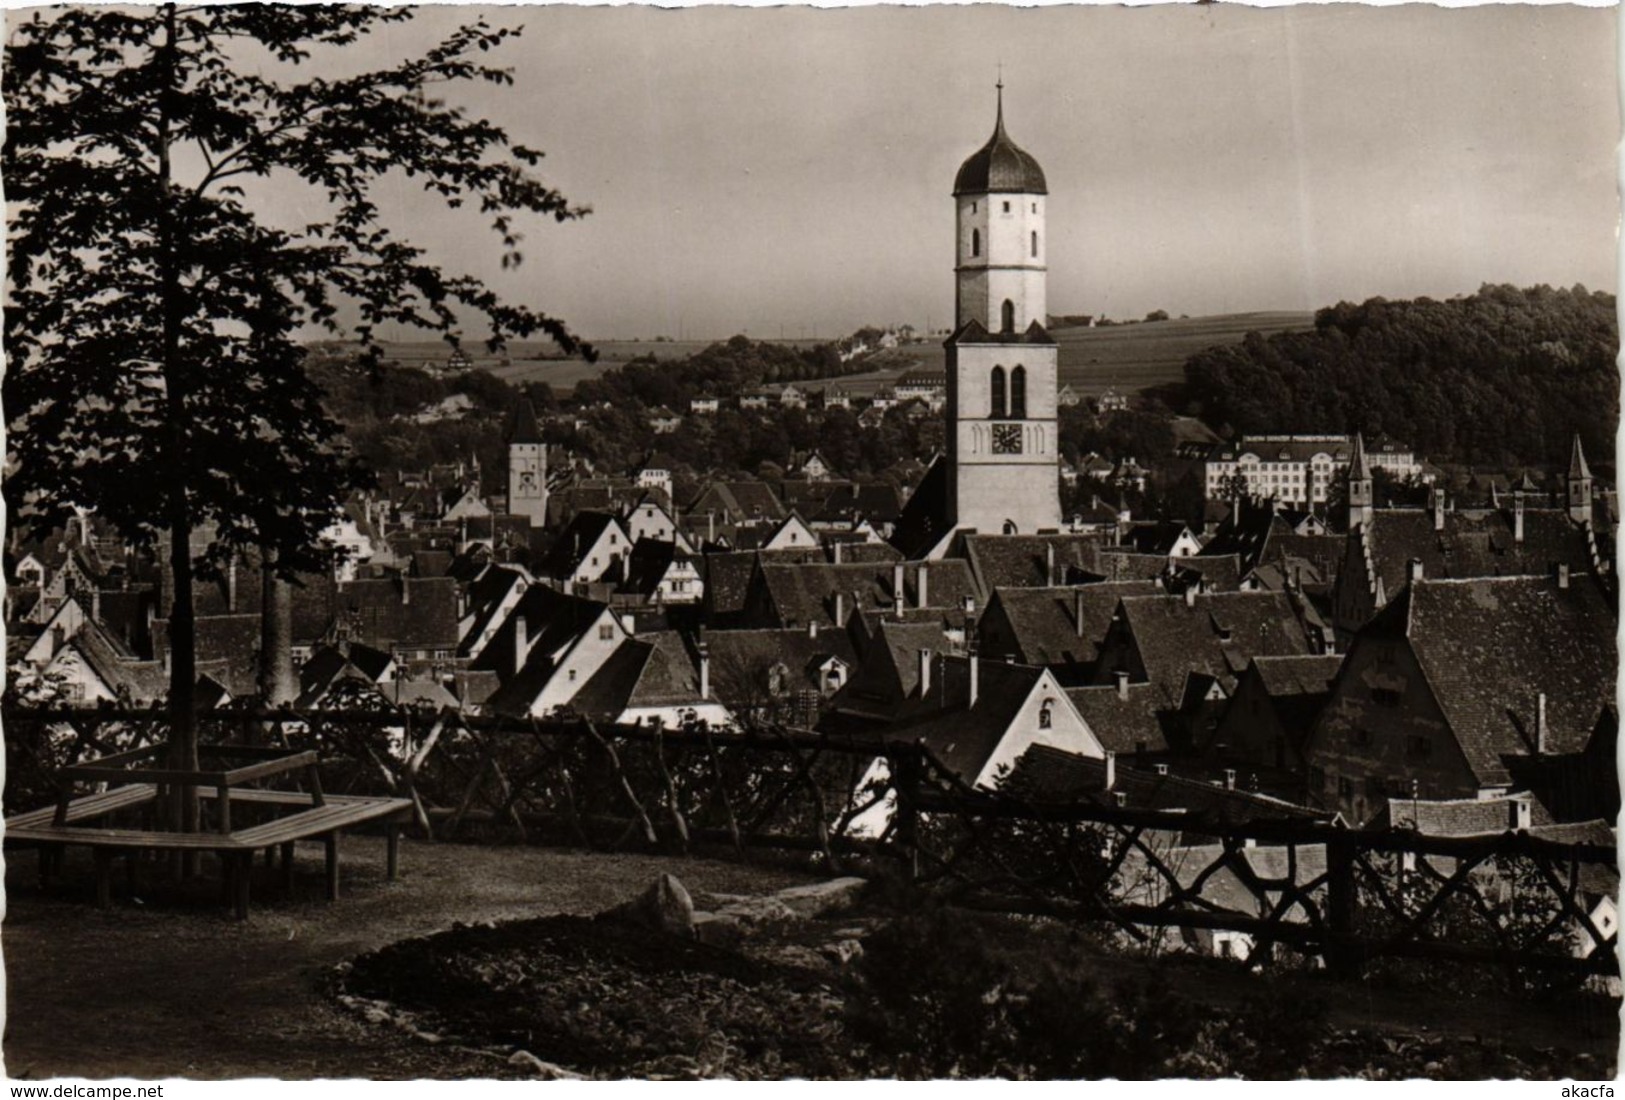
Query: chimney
{"type": "Point", "coordinates": [1111, 771]}
{"type": "Point", "coordinates": [1230, 779]}
{"type": "Point", "coordinates": [1541, 731]}
{"type": "Point", "coordinates": [921, 597]}
{"type": "Point", "coordinates": [897, 588]}
{"type": "Point", "coordinates": [406, 591]}
{"type": "Point", "coordinates": [1517, 517]}
{"type": "Point", "coordinates": [1562, 575]}
{"type": "Point", "coordinates": [521, 643]}
{"type": "Point", "coordinates": [1190, 595]}
{"type": "Point", "coordinates": [711, 526]}
{"type": "Point", "coordinates": [1436, 499]}
{"type": "Point", "coordinates": [705, 670]}
{"type": "Point", "coordinates": [975, 678]}
{"type": "Point", "coordinates": [840, 609]}
{"type": "Point", "coordinates": [1049, 564]}
{"type": "Point", "coordinates": [1121, 676]}
{"type": "Point", "coordinates": [96, 602]}
{"type": "Point", "coordinates": [925, 672]}
{"type": "Point", "coordinates": [231, 588]}
{"type": "Point", "coordinates": [1518, 815]}
{"type": "Point", "coordinates": [1413, 569]}
{"type": "Point", "coordinates": [1162, 769]}
{"type": "Point", "coordinates": [812, 628]}
{"type": "Point", "coordinates": [1077, 610]}
{"type": "Point", "coordinates": [835, 551]}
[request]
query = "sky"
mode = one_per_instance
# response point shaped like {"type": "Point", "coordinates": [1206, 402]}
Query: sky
{"type": "Point", "coordinates": [788, 170]}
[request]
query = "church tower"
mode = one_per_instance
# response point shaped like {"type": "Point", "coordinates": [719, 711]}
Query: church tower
{"type": "Point", "coordinates": [1002, 448]}
{"type": "Point", "coordinates": [527, 467]}
{"type": "Point", "coordinates": [1361, 488]}
{"type": "Point", "coordinates": [1578, 497]}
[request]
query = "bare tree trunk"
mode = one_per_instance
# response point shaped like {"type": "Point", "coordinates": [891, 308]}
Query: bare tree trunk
{"type": "Point", "coordinates": [183, 753]}
{"type": "Point", "coordinates": [277, 684]}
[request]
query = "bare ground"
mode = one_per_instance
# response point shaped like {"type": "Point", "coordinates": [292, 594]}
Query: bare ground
{"type": "Point", "coordinates": [168, 985]}
{"type": "Point", "coordinates": [172, 987]}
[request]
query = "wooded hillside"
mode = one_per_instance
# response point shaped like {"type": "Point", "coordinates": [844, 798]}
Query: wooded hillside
{"type": "Point", "coordinates": [1501, 377]}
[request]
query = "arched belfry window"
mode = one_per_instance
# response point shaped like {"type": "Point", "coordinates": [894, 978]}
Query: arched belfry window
{"type": "Point", "coordinates": [1018, 393]}
{"type": "Point", "coordinates": [996, 383]}
{"type": "Point", "coordinates": [1009, 316]}
{"type": "Point", "coordinates": [975, 242]}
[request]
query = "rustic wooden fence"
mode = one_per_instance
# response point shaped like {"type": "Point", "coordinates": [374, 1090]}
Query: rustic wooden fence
{"type": "Point", "coordinates": [1343, 896]}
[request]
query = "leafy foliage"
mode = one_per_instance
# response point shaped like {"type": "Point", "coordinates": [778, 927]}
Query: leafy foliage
{"type": "Point", "coordinates": [1504, 376]}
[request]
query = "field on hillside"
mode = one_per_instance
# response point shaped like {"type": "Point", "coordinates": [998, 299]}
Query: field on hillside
{"type": "Point", "coordinates": [1126, 358]}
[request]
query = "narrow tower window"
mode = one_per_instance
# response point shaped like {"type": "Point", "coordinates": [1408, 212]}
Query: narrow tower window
{"type": "Point", "coordinates": [997, 382]}
{"type": "Point", "coordinates": [975, 242]}
{"type": "Point", "coordinates": [1035, 244]}
{"type": "Point", "coordinates": [1008, 323]}
{"type": "Point", "coordinates": [1018, 393]}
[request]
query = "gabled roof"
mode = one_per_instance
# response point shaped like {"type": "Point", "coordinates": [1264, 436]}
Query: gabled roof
{"type": "Point", "coordinates": [553, 620]}
{"type": "Point", "coordinates": [741, 659]}
{"type": "Point", "coordinates": [409, 612]}
{"type": "Point", "coordinates": [925, 519]}
{"type": "Point", "coordinates": [1489, 648]}
{"type": "Point", "coordinates": [1123, 721]}
{"type": "Point", "coordinates": [650, 561]}
{"type": "Point", "coordinates": [652, 670]}
{"type": "Point", "coordinates": [890, 669]}
{"type": "Point", "coordinates": [961, 735]}
{"type": "Point", "coordinates": [1283, 677]}
{"type": "Point", "coordinates": [737, 500]}
{"type": "Point", "coordinates": [577, 540]}
{"type": "Point", "coordinates": [1476, 543]}
{"type": "Point", "coordinates": [1046, 624]}
{"type": "Point", "coordinates": [1022, 561]}
{"type": "Point", "coordinates": [1213, 633]}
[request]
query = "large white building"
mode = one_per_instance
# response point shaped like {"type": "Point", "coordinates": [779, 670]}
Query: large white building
{"type": "Point", "coordinates": [1298, 469]}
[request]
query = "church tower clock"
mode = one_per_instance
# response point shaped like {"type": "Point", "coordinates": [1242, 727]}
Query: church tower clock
{"type": "Point", "coordinates": [1002, 365]}
{"type": "Point", "coordinates": [527, 467]}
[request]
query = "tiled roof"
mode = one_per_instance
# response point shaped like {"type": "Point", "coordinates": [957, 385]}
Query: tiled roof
{"type": "Point", "coordinates": [735, 501]}
{"type": "Point", "coordinates": [853, 551]}
{"type": "Point", "coordinates": [522, 428]}
{"type": "Point", "coordinates": [647, 566]}
{"type": "Point", "coordinates": [406, 612]}
{"type": "Point", "coordinates": [924, 521]}
{"type": "Point", "coordinates": [1288, 676]}
{"type": "Point", "coordinates": [1022, 561]}
{"type": "Point", "coordinates": [1123, 722]}
{"type": "Point", "coordinates": [1459, 816]}
{"type": "Point", "coordinates": [576, 540]}
{"type": "Point", "coordinates": [1490, 648]}
{"type": "Point", "coordinates": [741, 659]}
{"type": "Point", "coordinates": [963, 736]}
{"type": "Point", "coordinates": [1046, 622]}
{"type": "Point", "coordinates": [1045, 774]}
{"type": "Point", "coordinates": [1473, 544]}
{"type": "Point", "coordinates": [1176, 637]}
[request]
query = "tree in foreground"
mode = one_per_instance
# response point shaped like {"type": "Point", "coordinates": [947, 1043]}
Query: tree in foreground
{"type": "Point", "coordinates": [154, 373]}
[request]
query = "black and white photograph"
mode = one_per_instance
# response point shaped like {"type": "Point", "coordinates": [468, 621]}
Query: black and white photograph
{"type": "Point", "coordinates": [902, 543]}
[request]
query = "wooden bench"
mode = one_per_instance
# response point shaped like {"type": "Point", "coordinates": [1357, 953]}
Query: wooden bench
{"type": "Point", "coordinates": [314, 816]}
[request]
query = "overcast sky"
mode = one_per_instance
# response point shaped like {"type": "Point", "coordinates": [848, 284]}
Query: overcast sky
{"type": "Point", "coordinates": [790, 169]}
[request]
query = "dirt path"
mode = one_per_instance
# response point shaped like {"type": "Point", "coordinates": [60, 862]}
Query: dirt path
{"type": "Point", "coordinates": [173, 988]}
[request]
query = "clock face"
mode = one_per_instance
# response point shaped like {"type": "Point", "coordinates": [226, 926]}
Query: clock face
{"type": "Point", "coordinates": [1007, 439]}
{"type": "Point", "coordinates": [527, 480]}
